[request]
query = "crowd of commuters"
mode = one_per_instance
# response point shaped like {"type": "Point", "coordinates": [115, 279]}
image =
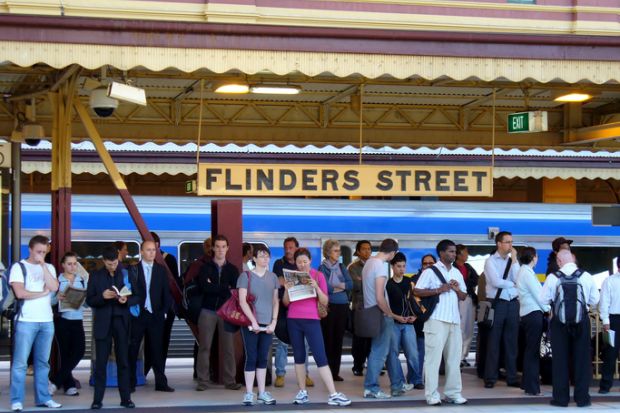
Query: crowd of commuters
{"type": "Point", "coordinates": [428, 317]}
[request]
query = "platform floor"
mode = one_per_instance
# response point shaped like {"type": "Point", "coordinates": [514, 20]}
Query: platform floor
{"type": "Point", "coordinates": [218, 399]}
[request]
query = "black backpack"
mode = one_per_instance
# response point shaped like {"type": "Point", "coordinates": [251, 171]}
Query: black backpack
{"type": "Point", "coordinates": [570, 306]}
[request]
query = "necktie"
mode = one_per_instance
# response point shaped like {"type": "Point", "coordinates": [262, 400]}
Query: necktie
{"type": "Point", "coordinates": [147, 276]}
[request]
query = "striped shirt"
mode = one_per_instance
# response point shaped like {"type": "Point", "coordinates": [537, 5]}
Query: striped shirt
{"type": "Point", "coordinates": [447, 309]}
{"type": "Point", "coordinates": [610, 297]}
{"type": "Point", "coordinates": [494, 268]}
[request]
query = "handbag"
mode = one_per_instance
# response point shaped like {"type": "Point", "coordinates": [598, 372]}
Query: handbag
{"type": "Point", "coordinates": [485, 310]}
{"type": "Point", "coordinates": [368, 322]}
{"type": "Point", "coordinates": [231, 311]}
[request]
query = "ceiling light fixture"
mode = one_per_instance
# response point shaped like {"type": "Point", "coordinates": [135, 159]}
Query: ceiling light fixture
{"type": "Point", "coordinates": [276, 89]}
{"type": "Point", "coordinates": [573, 97]}
{"type": "Point", "coordinates": [233, 88]}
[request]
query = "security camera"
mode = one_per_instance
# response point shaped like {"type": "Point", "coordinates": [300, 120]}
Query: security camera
{"type": "Point", "coordinates": [101, 103]}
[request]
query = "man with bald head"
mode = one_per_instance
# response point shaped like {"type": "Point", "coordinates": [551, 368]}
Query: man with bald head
{"type": "Point", "coordinates": [151, 282]}
{"type": "Point", "coordinates": [570, 343]}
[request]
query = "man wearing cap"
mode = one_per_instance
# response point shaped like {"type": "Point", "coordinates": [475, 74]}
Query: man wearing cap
{"type": "Point", "coordinates": [558, 244]}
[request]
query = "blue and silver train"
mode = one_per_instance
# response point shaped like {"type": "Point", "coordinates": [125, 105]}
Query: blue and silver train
{"type": "Point", "coordinates": [184, 222]}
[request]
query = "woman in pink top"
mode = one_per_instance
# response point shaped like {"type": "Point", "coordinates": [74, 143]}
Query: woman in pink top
{"type": "Point", "coordinates": [304, 323]}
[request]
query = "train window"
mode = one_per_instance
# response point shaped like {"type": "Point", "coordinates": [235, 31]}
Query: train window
{"type": "Point", "coordinates": [89, 253]}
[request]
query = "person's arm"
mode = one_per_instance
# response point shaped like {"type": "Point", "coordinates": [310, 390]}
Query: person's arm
{"type": "Point", "coordinates": [321, 287]}
{"type": "Point", "coordinates": [94, 298]}
{"type": "Point", "coordinates": [422, 288]}
{"type": "Point", "coordinates": [245, 307]}
{"type": "Point", "coordinates": [603, 307]}
{"type": "Point", "coordinates": [494, 279]}
{"type": "Point", "coordinates": [546, 293]}
{"type": "Point", "coordinates": [167, 295]}
{"type": "Point", "coordinates": [595, 296]}
{"type": "Point", "coordinates": [348, 282]}
{"type": "Point", "coordinates": [204, 282]}
{"type": "Point", "coordinates": [532, 285]}
{"type": "Point", "coordinates": [51, 283]}
{"type": "Point", "coordinates": [23, 294]}
{"type": "Point", "coordinates": [380, 296]}
{"type": "Point", "coordinates": [274, 311]}
{"type": "Point", "coordinates": [458, 286]}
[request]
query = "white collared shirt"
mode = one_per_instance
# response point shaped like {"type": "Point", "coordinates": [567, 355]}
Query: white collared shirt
{"type": "Point", "coordinates": [610, 297]}
{"type": "Point", "coordinates": [529, 292]}
{"type": "Point", "coordinates": [494, 268]}
{"type": "Point", "coordinates": [447, 309]}
{"type": "Point", "coordinates": [549, 290]}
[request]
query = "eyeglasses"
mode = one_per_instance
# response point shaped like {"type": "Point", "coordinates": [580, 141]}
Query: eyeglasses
{"type": "Point", "coordinates": [506, 242]}
{"type": "Point", "coordinates": [428, 263]}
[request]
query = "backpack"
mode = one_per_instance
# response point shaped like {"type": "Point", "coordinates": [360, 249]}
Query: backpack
{"type": "Point", "coordinates": [11, 305]}
{"type": "Point", "coordinates": [569, 306]}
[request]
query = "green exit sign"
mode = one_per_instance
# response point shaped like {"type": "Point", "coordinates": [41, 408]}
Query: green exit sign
{"type": "Point", "coordinates": [525, 122]}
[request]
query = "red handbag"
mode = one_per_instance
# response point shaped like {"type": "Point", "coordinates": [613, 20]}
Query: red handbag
{"type": "Point", "coordinates": [231, 311]}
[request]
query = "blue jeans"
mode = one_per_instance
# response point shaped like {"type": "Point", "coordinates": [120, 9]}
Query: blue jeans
{"type": "Point", "coordinates": [30, 335]}
{"type": "Point", "coordinates": [404, 337]}
{"type": "Point", "coordinates": [379, 349]}
{"type": "Point", "coordinates": [281, 355]}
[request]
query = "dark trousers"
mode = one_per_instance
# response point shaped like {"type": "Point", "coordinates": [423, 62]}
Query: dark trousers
{"type": "Point", "coordinates": [505, 331]}
{"type": "Point", "coordinates": [333, 327]}
{"type": "Point", "coordinates": [610, 355]}
{"type": "Point", "coordinates": [152, 327]}
{"type": "Point", "coordinates": [360, 349]}
{"type": "Point", "coordinates": [120, 335]}
{"type": "Point", "coordinates": [167, 331]}
{"type": "Point", "coordinates": [71, 343]}
{"type": "Point", "coordinates": [532, 324]}
{"type": "Point", "coordinates": [573, 347]}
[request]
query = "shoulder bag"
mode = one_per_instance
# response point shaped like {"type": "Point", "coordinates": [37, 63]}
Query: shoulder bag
{"type": "Point", "coordinates": [485, 311]}
{"type": "Point", "coordinates": [427, 305]}
{"type": "Point", "coordinates": [231, 311]}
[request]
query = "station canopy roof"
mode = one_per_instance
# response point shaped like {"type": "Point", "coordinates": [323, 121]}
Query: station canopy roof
{"type": "Point", "coordinates": [181, 159]}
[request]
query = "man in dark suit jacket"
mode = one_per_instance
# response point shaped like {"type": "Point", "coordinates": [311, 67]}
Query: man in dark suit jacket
{"type": "Point", "coordinates": [111, 321]}
{"type": "Point", "coordinates": [152, 283]}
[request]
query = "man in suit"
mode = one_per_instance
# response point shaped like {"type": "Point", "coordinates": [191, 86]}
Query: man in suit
{"type": "Point", "coordinates": [149, 278]}
{"type": "Point", "coordinates": [111, 321]}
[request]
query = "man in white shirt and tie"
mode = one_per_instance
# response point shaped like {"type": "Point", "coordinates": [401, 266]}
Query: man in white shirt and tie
{"type": "Point", "coordinates": [573, 343]}
{"type": "Point", "coordinates": [151, 280]}
{"type": "Point", "coordinates": [505, 329]}
{"type": "Point", "coordinates": [609, 309]}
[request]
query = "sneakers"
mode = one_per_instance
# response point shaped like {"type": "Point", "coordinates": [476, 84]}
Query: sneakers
{"type": "Point", "coordinates": [403, 389]}
{"type": "Point", "coordinates": [309, 382]}
{"type": "Point", "coordinates": [266, 398]}
{"type": "Point", "coordinates": [51, 388]}
{"type": "Point", "coordinates": [51, 404]}
{"type": "Point", "coordinates": [433, 402]}
{"type": "Point", "coordinates": [17, 407]}
{"type": "Point", "coordinates": [338, 399]}
{"type": "Point", "coordinates": [456, 400]}
{"type": "Point", "coordinates": [72, 391]}
{"type": "Point", "coordinates": [369, 394]}
{"type": "Point", "coordinates": [301, 398]}
{"type": "Point", "coordinates": [248, 399]}
{"type": "Point", "coordinates": [280, 381]}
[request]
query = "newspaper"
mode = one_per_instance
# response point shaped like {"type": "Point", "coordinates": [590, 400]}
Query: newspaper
{"type": "Point", "coordinates": [74, 299]}
{"type": "Point", "coordinates": [301, 288]}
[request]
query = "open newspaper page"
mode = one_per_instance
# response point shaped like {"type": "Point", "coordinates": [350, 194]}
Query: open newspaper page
{"type": "Point", "coordinates": [74, 299]}
{"type": "Point", "coordinates": [301, 288]}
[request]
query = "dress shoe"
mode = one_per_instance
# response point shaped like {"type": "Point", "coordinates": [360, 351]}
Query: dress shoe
{"type": "Point", "coordinates": [585, 404]}
{"type": "Point", "coordinates": [165, 388]}
{"type": "Point", "coordinates": [309, 381]}
{"type": "Point", "coordinates": [96, 406]}
{"type": "Point", "coordinates": [419, 386]}
{"type": "Point", "coordinates": [489, 384]}
{"type": "Point", "coordinates": [233, 386]}
{"type": "Point", "coordinates": [338, 378]}
{"type": "Point", "coordinates": [358, 373]}
{"type": "Point", "coordinates": [558, 404]}
{"type": "Point", "coordinates": [603, 391]}
{"type": "Point", "coordinates": [514, 384]}
{"type": "Point", "coordinates": [132, 389]}
{"type": "Point", "coordinates": [128, 404]}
